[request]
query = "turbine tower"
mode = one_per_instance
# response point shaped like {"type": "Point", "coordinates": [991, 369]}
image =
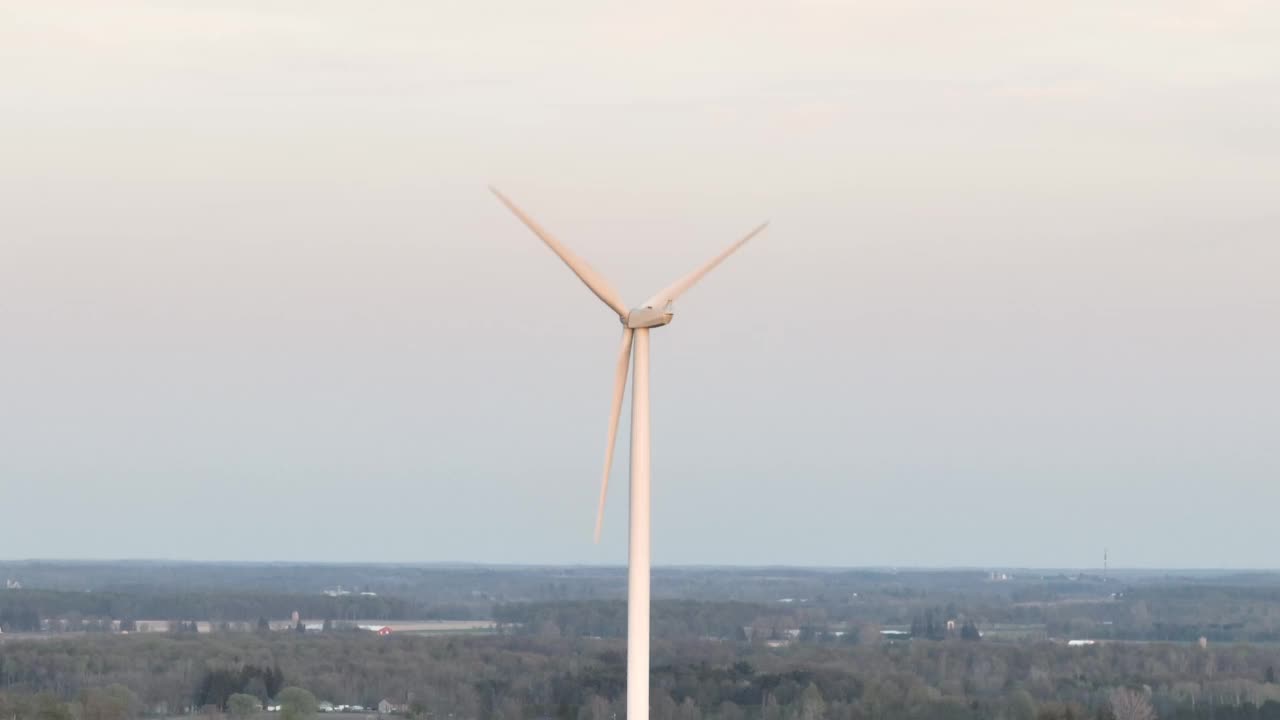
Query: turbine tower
{"type": "Point", "coordinates": [636, 323]}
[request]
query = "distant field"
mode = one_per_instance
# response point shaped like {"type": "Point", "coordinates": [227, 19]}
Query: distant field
{"type": "Point", "coordinates": [1012, 632]}
{"type": "Point", "coordinates": [412, 627]}
{"type": "Point", "coordinates": [436, 627]}
{"type": "Point", "coordinates": [276, 716]}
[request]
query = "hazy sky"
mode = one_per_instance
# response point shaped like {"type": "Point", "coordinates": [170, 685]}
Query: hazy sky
{"type": "Point", "coordinates": [1020, 299]}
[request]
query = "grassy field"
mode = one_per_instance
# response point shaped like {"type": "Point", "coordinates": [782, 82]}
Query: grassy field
{"type": "Point", "coordinates": [437, 627]}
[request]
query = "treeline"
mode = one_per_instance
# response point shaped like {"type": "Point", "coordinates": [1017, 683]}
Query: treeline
{"type": "Point", "coordinates": [424, 585]}
{"type": "Point", "coordinates": [733, 621]}
{"type": "Point", "coordinates": [519, 677]}
{"type": "Point", "coordinates": [700, 602]}
{"type": "Point", "coordinates": [672, 619]}
{"type": "Point", "coordinates": [438, 585]}
{"type": "Point", "coordinates": [1219, 613]}
{"type": "Point", "coordinates": [1164, 614]}
{"type": "Point", "coordinates": [219, 684]}
{"type": "Point", "coordinates": [28, 610]}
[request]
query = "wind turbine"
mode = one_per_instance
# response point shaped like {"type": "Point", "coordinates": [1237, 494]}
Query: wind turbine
{"type": "Point", "coordinates": [636, 323]}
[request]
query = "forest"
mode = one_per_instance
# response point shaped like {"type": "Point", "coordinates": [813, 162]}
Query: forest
{"type": "Point", "coordinates": [731, 643]}
{"type": "Point", "coordinates": [517, 677]}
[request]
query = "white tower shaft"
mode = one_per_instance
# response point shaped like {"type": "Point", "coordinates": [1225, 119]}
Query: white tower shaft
{"type": "Point", "coordinates": [638, 549]}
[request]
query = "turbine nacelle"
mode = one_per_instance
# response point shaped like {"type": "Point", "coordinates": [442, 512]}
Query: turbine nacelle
{"type": "Point", "coordinates": [647, 317]}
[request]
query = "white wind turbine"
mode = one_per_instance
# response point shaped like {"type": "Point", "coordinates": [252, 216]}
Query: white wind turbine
{"type": "Point", "coordinates": [636, 323]}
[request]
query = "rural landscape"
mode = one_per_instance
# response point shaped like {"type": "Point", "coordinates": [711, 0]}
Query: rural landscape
{"type": "Point", "coordinates": [521, 643]}
{"type": "Point", "coordinates": [579, 360]}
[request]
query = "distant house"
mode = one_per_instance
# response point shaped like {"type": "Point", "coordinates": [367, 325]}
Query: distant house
{"type": "Point", "coordinates": [1081, 643]}
{"type": "Point", "coordinates": [380, 629]}
{"type": "Point", "coordinates": [326, 707]}
{"type": "Point", "coordinates": [386, 707]}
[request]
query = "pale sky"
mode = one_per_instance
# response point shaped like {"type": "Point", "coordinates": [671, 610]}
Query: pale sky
{"type": "Point", "coordinates": [1019, 300]}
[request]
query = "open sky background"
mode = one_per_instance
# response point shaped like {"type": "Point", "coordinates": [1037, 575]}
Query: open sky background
{"type": "Point", "coordinates": [1020, 299]}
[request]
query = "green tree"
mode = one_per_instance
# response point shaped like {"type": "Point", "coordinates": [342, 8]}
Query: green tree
{"type": "Point", "coordinates": [1129, 704]}
{"type": "Point", "coordinates": [243, 705]}
{"type": "Point", "coordinates": [596, 708]}
{"type": "Point", "coordinates": [114, 702]}
{"type": "Point", "coordinates": [296, 703]}
{"type": "Point", "coordinates": [662, 706]}
{"type": "Point", "coordinates": [47, 706]}
{"type": "Point", "coordinates": [1060, 711]}
{"type": "Point", "coordinates": [12, 707]}
{"type": "Point", "coordinates": [1020, 706]}
{"type": "Point", "coordinates": [812, 705]}
{"type": "Point", "coordinates": [257, 687]}
{"type": "Point", "coordinates": [731, 711]}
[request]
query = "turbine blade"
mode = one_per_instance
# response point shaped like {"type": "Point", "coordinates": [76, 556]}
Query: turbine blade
{"type": "Point", "coordinates": [676, 289]}
{"type": "Point", "coordinates": [619, 384]}
{"type": "Point", "coordinates": [592, 279]}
